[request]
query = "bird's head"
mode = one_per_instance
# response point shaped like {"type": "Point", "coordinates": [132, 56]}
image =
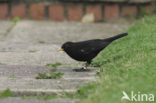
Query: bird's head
{"type": "Point", "coordinates": [65, 46]}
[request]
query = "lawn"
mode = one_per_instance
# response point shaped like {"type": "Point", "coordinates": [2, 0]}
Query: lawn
{"type": "Point", "coordinates": [128, 64]}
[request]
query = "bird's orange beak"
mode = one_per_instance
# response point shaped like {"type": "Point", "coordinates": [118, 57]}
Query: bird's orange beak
{"type": "Point", "coordinates": [60, 49]}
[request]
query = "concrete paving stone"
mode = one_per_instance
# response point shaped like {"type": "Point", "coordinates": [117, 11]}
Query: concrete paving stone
{"type": "Point", "coordinates": [24, 82]}
{"type": "Point", "coordinates": [22, 71]}
{"type": "Point", "coordinates": [32, 86]}
{"type": "Point", "coordinates": [27, 47]}
{"type": "Point", "coordinates": [34, 58]}
{"type": "Point", "coordinates": [32, 54]}
{"type": "Point", "coordinates": [31, 71]}
{"type": "Point", "coordinates": [70, 73]}
{"type": "Point", "coordinates": [19, 100]}
{"type": "Point", "coordinates": [55, 32]}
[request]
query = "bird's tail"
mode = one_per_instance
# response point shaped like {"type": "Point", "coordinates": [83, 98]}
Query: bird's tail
{"type": "Point", "coordinates": [116, 37]}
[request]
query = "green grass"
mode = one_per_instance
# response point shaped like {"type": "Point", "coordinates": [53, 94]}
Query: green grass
{"type": "Point", "coordinates": [6, 93]}
{"type": "Point", "coordinates": [32, 51]}
{"type": "Point", "coordinates": [12, 77]}
{"type": "Point", "coordinates": [128, 64]}
{"type": "Point", "coordinates": [46, 97]}
{"type": "Point", "coordinates": [52, 74]}
{"type": "Point", "coordinates": [54, 65]}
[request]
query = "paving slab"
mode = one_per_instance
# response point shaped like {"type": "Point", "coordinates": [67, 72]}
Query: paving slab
{"type": "Point", "coordinates": [38, 58]}
{"type": "Point", "coordinates": [32, 86]}
{"type": "Point", "coordinates": [19, 100]}
{"type": "Point", "coordinates": [55, 32]}
{"type": "Point", "coordinates": [27, 47]}
{"type": "Point", "coordinates": [31, 71]}
{"type": "Point", "coordinates": [24, 82]}
{"type": "Point", "coordinates": [32, 54]}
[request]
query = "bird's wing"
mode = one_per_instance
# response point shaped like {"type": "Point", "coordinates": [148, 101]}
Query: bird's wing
{"type": "Point", "coordinates": [94, 46]}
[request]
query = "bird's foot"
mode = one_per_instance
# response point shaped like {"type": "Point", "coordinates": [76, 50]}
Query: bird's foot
{"type": "Point", "coordinates": [83, 69]}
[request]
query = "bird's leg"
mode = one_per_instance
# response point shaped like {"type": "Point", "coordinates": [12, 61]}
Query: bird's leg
{"type": "Point", "coordinates": [86, 66]}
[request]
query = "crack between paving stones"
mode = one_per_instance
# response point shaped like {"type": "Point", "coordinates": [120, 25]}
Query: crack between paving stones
{"type": "Point", "coordinates": [14, 23]}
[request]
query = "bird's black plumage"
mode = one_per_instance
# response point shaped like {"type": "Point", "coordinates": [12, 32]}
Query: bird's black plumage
{"type": "Point", "coordinates": [87, 50]}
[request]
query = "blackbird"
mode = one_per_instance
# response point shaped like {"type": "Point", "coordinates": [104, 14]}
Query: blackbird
{"type": "Point", "coordinates": [87, 50]}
